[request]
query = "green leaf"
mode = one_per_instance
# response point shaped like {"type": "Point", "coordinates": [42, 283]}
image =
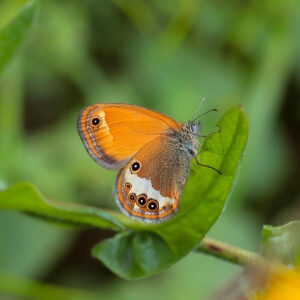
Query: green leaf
{"type": "Point", "coordinates": [138, 254]}
{"type": "Point", "coordinates": [282, 243]}
{"type": "Point", "coordinates": [13, 34]}
{"type": "Point", "coordinates": [23, 196]}
{"type": "Point", "coordinates": [135, 254]}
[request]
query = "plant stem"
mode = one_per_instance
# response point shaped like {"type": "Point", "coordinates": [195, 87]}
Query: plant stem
{"type": "Point", "coordinates": [229, 253]}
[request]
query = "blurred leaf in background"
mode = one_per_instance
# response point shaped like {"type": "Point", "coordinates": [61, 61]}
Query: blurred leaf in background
{"type": "Point", "coordinates": [165, 56]}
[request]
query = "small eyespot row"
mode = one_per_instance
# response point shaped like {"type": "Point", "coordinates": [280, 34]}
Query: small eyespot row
{"type": "Point", "coordinates": [142, 201]}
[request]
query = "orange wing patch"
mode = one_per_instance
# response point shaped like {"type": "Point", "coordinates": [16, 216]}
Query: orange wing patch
{"type": "Point", "coordinates": [113, 133]}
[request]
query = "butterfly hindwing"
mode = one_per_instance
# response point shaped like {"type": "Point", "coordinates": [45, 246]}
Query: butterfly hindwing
{"type": "Point", "coordinates": [150, 185]}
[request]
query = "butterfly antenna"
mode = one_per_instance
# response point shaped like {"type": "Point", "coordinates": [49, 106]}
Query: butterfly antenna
{"type": "Point", "coordinates": [198, 107]}
{"type": "Point", "coordinates": [214, 109]}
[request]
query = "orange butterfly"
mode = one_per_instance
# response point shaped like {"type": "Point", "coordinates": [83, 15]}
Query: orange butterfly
{"type": "Point", "coordinates": [152, 151]}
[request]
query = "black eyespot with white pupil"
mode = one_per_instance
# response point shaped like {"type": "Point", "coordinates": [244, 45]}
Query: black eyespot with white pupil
{"type": "Point", "coordinates": [135, 166]}
{"type": "Point", "coordinates": [142, 200]}
{"type": "Point", "coordinates": [152, 205]}
{"type": "Point", "coordinates": [132, 197]}
{"type": "Point", "coordinates": [95, 121]}
{"type": "Point", "coordinates": [128, 185]}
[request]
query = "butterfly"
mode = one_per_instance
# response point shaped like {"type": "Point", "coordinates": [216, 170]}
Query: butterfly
{"type": "Point", "coordinates": [152, 151]}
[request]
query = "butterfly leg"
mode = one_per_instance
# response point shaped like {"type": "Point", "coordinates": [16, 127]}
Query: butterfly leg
{"type": "Point", "coordinates": [206, 166]}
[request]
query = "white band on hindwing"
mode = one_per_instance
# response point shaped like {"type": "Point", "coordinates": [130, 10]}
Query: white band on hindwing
{"type": "Point", "coordinates": [144, 186]}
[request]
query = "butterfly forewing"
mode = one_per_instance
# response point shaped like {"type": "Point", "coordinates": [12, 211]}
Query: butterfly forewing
{"type": "Point", "coordinates": [114, 133]}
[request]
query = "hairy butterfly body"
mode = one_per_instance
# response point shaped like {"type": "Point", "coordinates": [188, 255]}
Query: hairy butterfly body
{"type": "Point", "coordinates": [152, 151]}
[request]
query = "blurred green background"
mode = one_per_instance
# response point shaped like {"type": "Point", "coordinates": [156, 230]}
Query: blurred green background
{"type": "Point", "coordinates": [167, 56]}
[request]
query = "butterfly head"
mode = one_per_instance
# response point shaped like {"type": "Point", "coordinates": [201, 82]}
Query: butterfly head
{"type": "Point", "coordinates": [194, 127]}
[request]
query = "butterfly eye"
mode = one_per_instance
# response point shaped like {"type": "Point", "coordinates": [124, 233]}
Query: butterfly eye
{"type": "Point", "coordinates": [132, 197]}
{"type": "Point", "coordinates": [135, 167]}
{"type": "Point", "coordinates": [152, 205]}
{"type": "Point", "coordinates": [128, 185]}
{"type": "Point", "coordinates": [141, 201]}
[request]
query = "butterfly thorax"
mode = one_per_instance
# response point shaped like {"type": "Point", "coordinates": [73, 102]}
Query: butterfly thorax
{"type": "Point", "coordinates": [186, 139]}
